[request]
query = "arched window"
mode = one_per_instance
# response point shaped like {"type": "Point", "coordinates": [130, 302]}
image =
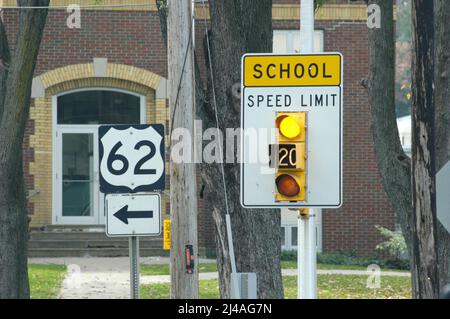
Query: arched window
{"type": "Point", "coordinates": [98, 107]}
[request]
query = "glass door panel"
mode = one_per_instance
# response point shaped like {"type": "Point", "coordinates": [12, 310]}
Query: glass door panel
{"type": "Point", "coordinates": [78, 176]}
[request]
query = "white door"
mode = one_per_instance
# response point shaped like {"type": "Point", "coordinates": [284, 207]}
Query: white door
{"type": "Point", "coordinates": [78, 200]}
{"type": "Point", "coordinates": [77, 116]}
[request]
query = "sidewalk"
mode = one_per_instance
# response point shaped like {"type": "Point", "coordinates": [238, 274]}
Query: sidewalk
{"type": "Point", "coordinates": [109, 278]}
{"type": "Point", "coordinates": [285, 272]}
{"type": "Point", "coordinates": [97, 278]}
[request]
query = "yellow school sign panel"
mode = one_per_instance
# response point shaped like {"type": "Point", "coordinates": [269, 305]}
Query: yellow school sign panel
{"type": "Point", "coordinates": [292, 70]}
{"type": "Point", "coordinates": [300, 97]}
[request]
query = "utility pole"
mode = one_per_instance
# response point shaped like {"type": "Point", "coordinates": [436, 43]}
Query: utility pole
{"type": "Point", "coordinates": [183, 189]}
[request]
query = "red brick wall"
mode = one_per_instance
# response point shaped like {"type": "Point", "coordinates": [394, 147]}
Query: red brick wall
{"type": "Point", "coordinates": [128, 37]}
{"type": "Point", "coordinates": [134, 38]}
{"type": "Point", "coordinates": [365, 202]}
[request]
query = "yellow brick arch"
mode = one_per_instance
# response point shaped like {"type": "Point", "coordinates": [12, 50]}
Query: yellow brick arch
{"type": "Point", "coordinates": [88, 70]}
{"type": "Point", "coordinates": [98, 74]}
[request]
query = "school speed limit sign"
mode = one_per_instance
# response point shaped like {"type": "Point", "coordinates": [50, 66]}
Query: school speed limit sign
{"type": "Point", "coordinates": [131, 158]}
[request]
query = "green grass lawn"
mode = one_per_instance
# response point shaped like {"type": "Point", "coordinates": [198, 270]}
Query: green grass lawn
{"type": "Point", "coordinates": [329, 287]}
{"type": "Point", "coordinates": [152, 270]}
{"type": "Point", "coordinates": [45, 280]}
{"type": "Point", "coordinates": [159, 270]}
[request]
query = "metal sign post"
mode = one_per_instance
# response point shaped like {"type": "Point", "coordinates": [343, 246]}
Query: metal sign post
{"type": "Point", "coordinates": [306, 244]}
{"type": "Point", "coordinates": [132, 169]}
{"type": "Point", "coordinates": [134, 267]}
{"type": "Point", "coordinates": [306, 256]}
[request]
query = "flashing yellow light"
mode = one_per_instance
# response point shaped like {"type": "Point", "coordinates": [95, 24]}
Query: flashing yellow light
{"type": "Point", "coordinates": [289, 127]}
{"type": "Point", "coordinates": [291, 155]}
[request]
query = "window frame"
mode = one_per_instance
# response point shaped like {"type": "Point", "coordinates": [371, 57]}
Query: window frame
{"type": "Point", "coordinates": [142, 99]}
{"type": "Point", "coordinates": [57, 131]}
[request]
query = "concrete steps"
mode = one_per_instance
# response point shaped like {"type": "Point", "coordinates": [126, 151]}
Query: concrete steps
{"type": "Point", "coordinates": [83, 241]}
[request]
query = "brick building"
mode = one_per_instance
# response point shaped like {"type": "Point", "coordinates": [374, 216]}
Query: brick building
{"type": "Point", "coordinates": [114, 69]}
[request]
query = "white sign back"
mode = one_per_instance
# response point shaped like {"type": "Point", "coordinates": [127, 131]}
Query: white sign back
{"type": "Point", "coordinates": [442, 196]}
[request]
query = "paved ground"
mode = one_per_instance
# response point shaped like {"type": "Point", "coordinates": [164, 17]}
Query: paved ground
{"type": "Point", "coordinates": [285, 272]}
{"type": "Point", "coordinates": [97, 278]}
{"type": "Point", "coordinates": [109, 278]}
{"type": "Point", "coordinates": [104, 261]}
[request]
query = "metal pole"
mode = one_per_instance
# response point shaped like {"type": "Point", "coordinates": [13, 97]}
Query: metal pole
{"type": "Point", "coordinates": [307, 256]}
{"type": "Point", "coordinates": [307, 26]}
{"type": "Point", "coordinates": [312, 255]}
{"type": "Point", "coordinates": [235, 293]}
{"type": "Point", "coordinates": [134, 267]}
{"type": "Point", "coordinates": [306, 242]}
{"type": "Point", "coordinates": [302, 273]}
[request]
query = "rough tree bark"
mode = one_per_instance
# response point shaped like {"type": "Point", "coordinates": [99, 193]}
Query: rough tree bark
{"type": "Point", "coordinates": [394, 165]}
{"type": "Point", "coordinates": [237, 27]}
{"type": "Point", "coordinates": [442, 109]}
{"type": "Point", "coordinates": [16, 103]}
{"type": "Point", "coordinates": [5, 59]}
{"type": "Point", "coordinates": [423, 224]}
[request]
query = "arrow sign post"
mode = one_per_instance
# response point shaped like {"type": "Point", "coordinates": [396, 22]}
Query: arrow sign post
{"type": "Point", "coordinates": [131, 164]}
{"type": "Point", "coordinates": [133, 215]}
{"type": "Point", "coordinates": [124, 214]}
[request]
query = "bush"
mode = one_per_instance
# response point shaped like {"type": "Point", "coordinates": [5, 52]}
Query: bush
{"type": "Point", "coordinates": [350, 258]}
{"type": "Point", "coordinates": [395, 247]}
{"type": "Point", "coordinates": [395, 244]}
{"type": "Point", "coordinates": [289, 255]}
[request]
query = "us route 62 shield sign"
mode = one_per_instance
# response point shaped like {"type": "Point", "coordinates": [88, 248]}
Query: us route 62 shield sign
{"type": "Point", "coordinates": [131, 158]}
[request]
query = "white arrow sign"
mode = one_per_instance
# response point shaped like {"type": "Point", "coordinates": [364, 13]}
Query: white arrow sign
{"type": "Point", "coordinates": [133, 215]}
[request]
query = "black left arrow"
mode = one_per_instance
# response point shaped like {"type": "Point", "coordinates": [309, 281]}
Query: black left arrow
{"type": "Point", "coordinates": [123, 214]}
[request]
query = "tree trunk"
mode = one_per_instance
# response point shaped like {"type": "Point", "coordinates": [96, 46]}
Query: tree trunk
{"type": "Point", "coordinates": [5, 59]}
{"type": "Point", "coordinates": [442, 105]}
{"type": "Point", "coordinates": [13, 213]}
{"type": "Point", "coordinates": [425, 270]}
{"type": "Point", "coordinates": [394, 165]}
{"type": "Point", "coordinates": [238, 27]}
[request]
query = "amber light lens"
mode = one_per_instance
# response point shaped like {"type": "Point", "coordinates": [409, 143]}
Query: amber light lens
{"type": "Point", "coordinates": [289, 127]}
{"type": "Point", "coordinates": [287, 185]}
